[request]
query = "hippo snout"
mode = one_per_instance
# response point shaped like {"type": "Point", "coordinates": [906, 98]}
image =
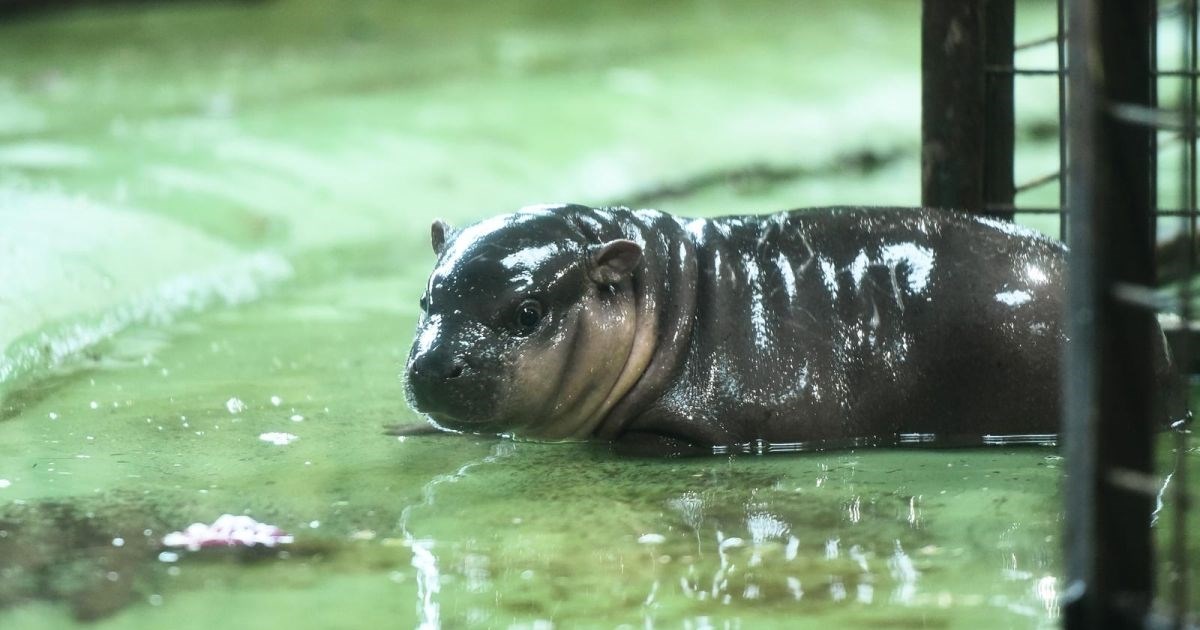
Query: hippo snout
{"type": "Point", "coordinates": [437, 366]}
{"type": "Point", "coordinates": [448, 388]}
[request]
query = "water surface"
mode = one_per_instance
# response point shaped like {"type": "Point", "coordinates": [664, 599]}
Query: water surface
{"type": "Point", "coordinates": [470, 531]}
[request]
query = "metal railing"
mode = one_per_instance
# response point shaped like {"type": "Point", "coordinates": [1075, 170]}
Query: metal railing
{"type": "Point", "coordinates": [1110, 133]}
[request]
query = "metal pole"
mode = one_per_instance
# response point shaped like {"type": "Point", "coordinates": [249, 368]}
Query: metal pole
{"type": "Point", "coordinates": [967, 123]}
{"type": "Point", "coordinates": [1180, 568]}
{"type": "Point", "coordinates": [952, 92]}
{"type": "Point", "coordinates": [1108, 380]}
{"type": "Point", "coordinates": [999, 27]}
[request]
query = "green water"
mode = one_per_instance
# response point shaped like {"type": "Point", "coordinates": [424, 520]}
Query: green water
{"type": "Point", "coordinates": [519, 533]}
{"type": "Point", "coordinates": [203, 202]}
{"type": "Point", "coordinates": [142, 442]}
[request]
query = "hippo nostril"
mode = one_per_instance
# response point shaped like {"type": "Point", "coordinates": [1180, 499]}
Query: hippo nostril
{"type": "Point", "coordinates": [438, 366]}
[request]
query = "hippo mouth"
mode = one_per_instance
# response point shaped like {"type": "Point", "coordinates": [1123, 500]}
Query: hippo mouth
{"type": "Point", "coordinates": [466, 412]}
{"type": "Point", "coordinates": [459, 403]}
{"type": "Point", "coordinates": [457, 424]}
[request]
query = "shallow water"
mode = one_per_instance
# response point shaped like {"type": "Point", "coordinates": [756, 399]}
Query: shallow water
{"type": "Point", "coordinates": [468, 531]}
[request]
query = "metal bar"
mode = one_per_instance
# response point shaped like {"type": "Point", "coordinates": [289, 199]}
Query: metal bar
{"type": "Point", "coordinates": [1052, 71]}
{"type": "Point", "coordinates": [1152, 167]}
{"type": "Point", "coordinates": [1003, 207]}
{"type": "Point", "coordinates": [999, 26]}
{"type": "Point", "coordinates": [1062, 117]}
{"type": "Point", "coordinates": [952, 104]}
{"type": "Point", "coordinates": [1148, 116]}
{"type": "Point", "coordinates": [1170, 9]}
{"type": "Point", "coordinates": [1180, 577]}
{"type": "Point", "coordinates": [1002, 70]}
{"type": "Point", "coordinates": [1000, 207]}
{"type": "Point", "coordinates": [1037, 182]}
{"type": "Point", "coordinates": [1108, 371]}
{"type": "Point", "coordinates": [1034, 43]}
{"type": "Point", "coordinates": [1042, 180]}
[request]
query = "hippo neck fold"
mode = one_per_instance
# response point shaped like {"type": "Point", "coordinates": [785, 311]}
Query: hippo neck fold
{"type": "Point", "coordinates": [664, 287]}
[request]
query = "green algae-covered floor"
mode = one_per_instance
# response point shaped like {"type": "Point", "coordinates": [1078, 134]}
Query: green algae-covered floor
{"type": "Point", "coordinates": [213, 226]}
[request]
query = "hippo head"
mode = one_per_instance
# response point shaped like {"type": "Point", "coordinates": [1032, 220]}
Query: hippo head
{"type": "Point", "coordinates": [526, 325]}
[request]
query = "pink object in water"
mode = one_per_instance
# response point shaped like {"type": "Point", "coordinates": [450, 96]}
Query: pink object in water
{"type": "Point", "coordinates": [228, 531]}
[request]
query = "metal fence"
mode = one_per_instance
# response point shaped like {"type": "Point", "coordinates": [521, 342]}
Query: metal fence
{"type": "Point", "coordinates": [1125, 129]}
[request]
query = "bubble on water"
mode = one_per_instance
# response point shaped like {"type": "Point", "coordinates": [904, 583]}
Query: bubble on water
{"type": "Point", "coordinates": [53, 416]}
{"type": "Point", "coordinates": [691, 507]}
{"type": "Point", "coordinates": [235, 405]}
{"type": "Point", "coordinates": [837, 590]}
{"type": "Point", "coordinates": [278, 438]}
{"type": "Point", "coordinates": [831, 548]}
{"type": "Point", "coordinates": [118, 542]}
{"type": "Point", "coordinates": [4, 483]}
{"type": "Point", "coordinates": [276, 401]}
{"type": "Point", "coordinates": [728, 543]}
{"type": "Point", "coordinates": [297, 418]}
{"type": "Point", "coordinates": [793, 546]}
{"type": "Point", "coordinates": [314, 524]}
{"type": "Point", "coordinates": [94, 405]}
{"type": "Point", "coordinates": [795, 588]}
{"type": "Point", "coordinates": [764, 526]}
{"type": "Point", "coordinates": [652, 539]}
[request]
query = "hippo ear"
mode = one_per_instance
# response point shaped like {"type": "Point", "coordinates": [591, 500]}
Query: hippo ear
{"type": "Point", "coordinates": [614, 261]}
{"type": "Point", "coordinates": [440, 232]}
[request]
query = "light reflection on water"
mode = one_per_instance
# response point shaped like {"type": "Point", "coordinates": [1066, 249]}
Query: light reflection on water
{"type": "Point", "coordinates": [424, 560]}
{"type": "Point", "coordinates": [763, 447]}
{"type": "Point", "coordinates": [762, 536]}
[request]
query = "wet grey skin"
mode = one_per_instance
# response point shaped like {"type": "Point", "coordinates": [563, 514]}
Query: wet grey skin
{"type": "Point", "coordinates": [822, 327]}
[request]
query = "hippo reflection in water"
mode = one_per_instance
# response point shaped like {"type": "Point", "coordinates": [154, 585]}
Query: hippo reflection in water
{"type": "Point", "coordinates": [811, 328]}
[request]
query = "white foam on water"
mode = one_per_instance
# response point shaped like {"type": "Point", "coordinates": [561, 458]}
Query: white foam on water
{"type": "Point", "coordinates": [41, 154]}
{"type": "Point", "coordinates": [235, 405]}
{"type": "Point", "coordinates": [239, 282]}
{"type": "Point", "coordinates": [278, 438]}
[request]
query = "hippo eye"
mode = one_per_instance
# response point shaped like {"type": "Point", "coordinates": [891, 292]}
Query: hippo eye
{"type": "Point", "coordinates": [528, 316]}
{"type": "Point", "coordinates": [424, 304]}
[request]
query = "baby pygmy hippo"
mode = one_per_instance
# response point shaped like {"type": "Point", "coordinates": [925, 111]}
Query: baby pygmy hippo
{"type": "Point", "coordinates": [811, 328]}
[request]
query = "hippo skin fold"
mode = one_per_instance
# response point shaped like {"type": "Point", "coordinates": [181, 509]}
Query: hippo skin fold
{"type": "Point", "coordinates": [812, 328]}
